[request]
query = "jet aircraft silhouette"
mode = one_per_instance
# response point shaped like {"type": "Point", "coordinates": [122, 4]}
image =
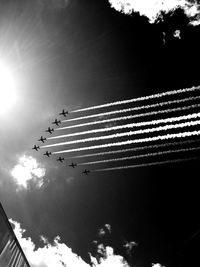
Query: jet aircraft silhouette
{"type": "Point", "coordinates": [56, 122]}
{"type": "Point", "coordinates": [73, 165]}
{"type": "Point", "coordinates": [36, 147]}
{"type": "Point", "coordinates": [50, 130]}
{"type": "Point", "coordinates": [47, 154]}
{"type": "Point", "coordinates": [64, 113]}
{"type": "Point", "coordinates": [60, 159]}
{"type": "Point", "coordinates": [86, 172]}
{"type": "Point", "coordinates": [42, 139]}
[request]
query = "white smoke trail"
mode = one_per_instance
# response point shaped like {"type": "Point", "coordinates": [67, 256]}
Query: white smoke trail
{"type": "Point", "coordinates": [159, 95]}
{"type": "Point", "coordinates": [131, 117]}
{"type": "Point", "coordinates": [130, 133]}
{"type": "Point", "coordinates": [130, 125]}
{"type": "Point", "coordinates": [160, 104]}
{"type": "Point", "coordinates": [145, 164]}
{"type": "Point", "coordinates": [140, 156]}
{"type": "Point", "coordinates": [134, 149]}
{"type": "Point", "coordinates": [135, 141]}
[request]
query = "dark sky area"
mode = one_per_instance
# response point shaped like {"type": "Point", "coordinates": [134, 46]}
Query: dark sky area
{"type": "Point", "coordinates": [84, 53]}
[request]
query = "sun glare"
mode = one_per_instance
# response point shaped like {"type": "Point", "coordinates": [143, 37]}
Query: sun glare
{"type": "Point", "coordinates": [7, 89]}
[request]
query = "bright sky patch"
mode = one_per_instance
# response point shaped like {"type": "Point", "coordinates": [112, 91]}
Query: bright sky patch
{"type": "Point", "coordinates": [27, 169]}
{"type": "Point", "coordinates": [7, 89]}
{"type": "Point", "coordinates": [152, 8]}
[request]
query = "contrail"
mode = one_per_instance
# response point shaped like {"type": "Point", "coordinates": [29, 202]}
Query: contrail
{"type": "Point", "coordinates": [145, 164]}
{"type": "Point", "coordinates": [130, 117]}
{"type": "Point", "coordinates": [130, 133]}
{"type": "Point", "coordinates": [130, 125]}
{"type": "Point", "coordinates": [135, 149]}
{"type": "Point", "coordinates": [159, 95]}
{"type": "Point", "coordinates": [135, 141]}
{"type": "Point", "coordinates": [160, 104]}
{"type": "Point", "coordinates": [141, 156]}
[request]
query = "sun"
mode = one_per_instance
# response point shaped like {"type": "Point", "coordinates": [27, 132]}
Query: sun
{"type": "Point", "coordinates": [7, 89]}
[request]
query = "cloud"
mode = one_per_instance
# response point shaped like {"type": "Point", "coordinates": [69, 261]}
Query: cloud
{"type": "Point", "coordinates": [50, 255]}
{"type": "Point", "coordinates": [177, 34]}
{"type": "Point", "coordinates": [152, 9]}
{"type": "Point", "coordinates": [60, 255]}
{"type": "Point", "coordinates": [108, 258]}
{"type": "Point", "coordinates": [129, 246]}
{"type": "Point", "coordinates": [102, 231]}
{"type": "Point", "coordinates": [108, 227]}
{"type": "Point", "coordinates": [28, 169]}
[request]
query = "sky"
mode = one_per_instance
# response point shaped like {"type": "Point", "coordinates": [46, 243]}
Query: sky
{"type": "Point", "coordinates": [73, 54]}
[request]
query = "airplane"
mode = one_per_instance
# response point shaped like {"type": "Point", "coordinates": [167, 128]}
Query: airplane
{"type": "Point", "coordinates": [64, 113]}
{"type": "Point", "coordinates": [60, 159]}
{"type": "Point", "coordinates": [47, 154]}
{"type": "Point", "coordinates": [42, 139]}
{"type": "Point", "coordinates": [73, 165]}
{"type": "Point", "coordinates": [86, 172]}
{"type": "Point", "coordinates": [56, 122]}
{"type": "Point", "coordinates": [50, 130]}
{"type": "Point", "coordinates": [36, 147]}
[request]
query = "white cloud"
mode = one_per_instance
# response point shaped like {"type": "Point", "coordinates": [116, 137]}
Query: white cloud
{"type": "Point", "coordinates": [101, 249]}
{"type": "Point", "coordinates": [27, 169]}
{"type": "Point", "coordinates": [152, 8]}
{"type": "Point", "coordinates": [177, 34]}
{"type": "Point", "coordinates": [108, 226]}
{"type": "Point", "coordinates": [108, 259]}
{"type": "Point", "coordinates": [60, 255]}
{"type": "Point", "coordinates": [49, 255]}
